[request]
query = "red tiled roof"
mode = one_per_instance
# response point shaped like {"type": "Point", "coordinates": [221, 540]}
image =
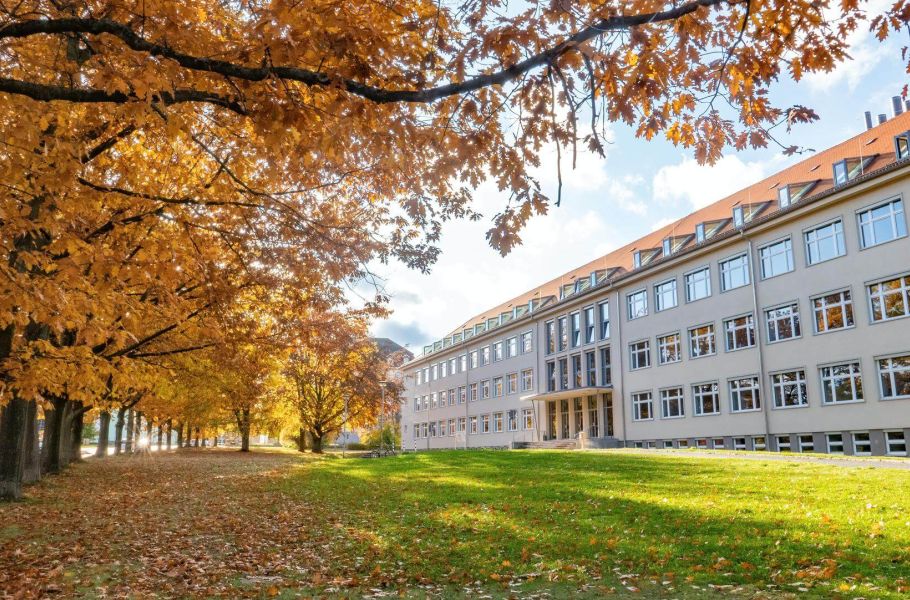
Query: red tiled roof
{"type": "Point", "coordinates": [876, 141]}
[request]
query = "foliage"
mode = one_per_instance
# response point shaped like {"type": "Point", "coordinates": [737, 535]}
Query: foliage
{"type": "Point", "coordinates": [390, 436]}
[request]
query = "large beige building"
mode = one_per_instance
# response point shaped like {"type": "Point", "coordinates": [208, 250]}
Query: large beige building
{"type": "Point", "coordinates": [775, 319]}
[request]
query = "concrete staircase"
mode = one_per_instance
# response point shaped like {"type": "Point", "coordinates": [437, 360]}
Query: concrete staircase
{"type": "Point", "coordinates": [547, 445]}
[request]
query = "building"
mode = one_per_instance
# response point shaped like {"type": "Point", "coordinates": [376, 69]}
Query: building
{"type": "Point", "coordinates": [774, 319]}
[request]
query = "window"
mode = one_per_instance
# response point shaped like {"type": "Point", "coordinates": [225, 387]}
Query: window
{"type": "Point", "coordinates": [895, 443]}
{"type": "Point", "coordinates": [512, 420]}
{"type": "Point", "coordinates": [464, 362]}
{"type": "Point", "coordinates": [641, 406]}
{"type": "Point", "coordinates": [590, 325]}
{"type": "Point", "coordinates": [668, 443]}
{"type": "Point", "coordinates": [759, 443]}
{"type": "Point", "coordinates": [718, 443]}
{"type": "Point", "coordinates": [806, 443]}
{"type": "Point", "coordinates": [638, 304]}
{"type": "Point", "coordinates": [894, 377]}
{"type": "Point", "coordinates": [849, 168]}
{"type": "Point", "coordinates": [738, 216]}
{"type": "Point", "coordinates": [497, 351]}
{"type": "Point", "coordinates": [527, 342]}
{"type": "Point", "coordinates": [882, 223]}
{"type": "Point", "coordinates": [682, 444]}
{"type": "Point", "coordinates": [593, 421]}
{"type": "Point", "coordinates": [473, 421]}
{"type": "Point", "coordinates": [497, 422]}
{"type": "Point", "coordinates": [452, 365]}
{"type": "Point", "coordinates": [576, 371]}
{"type": "Point", "coordinates": [833, 312]}
{"type": "Point", "coordinates": [564, 413]}
{"type": "Point", "coordinates": [783, 443]}
{"type": "Point", "coordinates": [668, 349]}
{"type": "Point", "coordinates": [485, 355]}
{"type": "Point", "coordinates": [484, 389]}
{"type": "Point", "coordinates": [902, 145]}
{"type": "Point", "coordinates": [706, 398]}
{"type": "Point", "coordinates": [452, 397]}
{"type": "Point", "coordinates": [640, 354]}
{"type": "Point", "coordinates": [701, 443]}
{"type": "Point", "coordinates": [562, 324]}
{"type": "Point", "coordinates": [443, 370]}
{"type": "Point", "coordinates": [739, 443]}
{"type": "Point", "coordinates": [698, 284]}
{"type": "Point", "coordinates": [825, 242]}
{"type": "Point", "coordinates": [783, 323]}
{"type": "Point", "coordinates": [551, 376]}
{"type": "Point", "coordinates": [563, 374]}
{"type": "Point", "coordinates": [462, 422]}
{"type": "Point", "coordinates": [576, 329]}
{"type": "Point", "coordinates": [739, 333]}
{"type": "Point", "coordinates": [665, 295]}
{"type": "Point", "coordinates": [462, 394]}
{"type": "Point", "coordinates": [527, 418]}
{"type": "Point", "coordinates": [701, 341]}
{"type": "Point", "coordinates": [473, 392]}
{"type": "Point", "coordinates": [590, 369]}
{"type": "Point", "coordinates": [432, 429]}
{"type": "Point", "coordinates": [776, 258]}
{"type": "Point", "coordinates": [434, 372]}
{"type": "Point", "coordinates": [862, 445]}
{"type": "Point", "coordinates": [788, 389]}
{"type": "Point", "coordinates": [605, 371]}
{"type": "Point", "coordinates": [672, 404]}
{"type": "Point", "coordinates": [473, 356]}
{"type": "Point", "coordinates": [890, 299]}
{"type": "Point", "coordinates": [451, 426]}
{"type": "Point", "coordinates": [511, 383]}
{"type": "Point", "coordinates": [579, 415]}
{"type": "Point", "coordinates": [527, 380]}
{"type": "Point", "coordinates": [497, 387]}
{"type": "Point", "coordinates": [550, 334]}
{"type": "Point", "coordinates": [734, 272]}
{"type": "Point", "coordinates": [417, 377]}
{"type": "Point", "coordinates": [604, 310]}
{"type": "Point", "coordinates": [744, 394]}
{"type": "Point", "coordinates": [511, 347]}
{"type": "Point", "coordinates": [484, 423]}
{"type": "Point", "coordinates": [841, 383]}
{"type": "Point", "coordinates": [835, 443]}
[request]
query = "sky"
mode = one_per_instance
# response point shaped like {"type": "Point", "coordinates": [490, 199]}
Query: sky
{"type": "Point", "coordinates": [608, 202]}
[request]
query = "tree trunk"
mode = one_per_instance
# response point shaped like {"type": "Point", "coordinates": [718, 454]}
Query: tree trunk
{"type": "Point", "coordinates": [13, 426]}
{"type": "Point", "coordinates": [243, 424]}
{"type": "Point", "coordinates": [301, 440]}
{"type": "Point", "coordinates": [52, 450]}
{"type": "Point", "coordinates": [137, 432]}
{"type": "Point", "coordinates": [104, 424]}
{"type": "Point", "coordinates": [196, 441]}
{"type": "Point", "coordinates": [180, 435]}
{"type": "Point", "coordinates": [170, 431]}
{"type": "Point", "coordinates": [215, 442]}
{"type": "Point", "coordinates": [128, 446]}
{"type": "Point", "coordinates": [118, 431]}
{"type": "Point", "coordinates": [31, 469]}
{"type": "Point", "coordinates": [77, 412]}
{"type": "Point", "coordinates": [317, 436]}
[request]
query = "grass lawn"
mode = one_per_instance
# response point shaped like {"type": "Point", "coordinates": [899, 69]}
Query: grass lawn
{"type": "Point", "coordinates": [525, 524]}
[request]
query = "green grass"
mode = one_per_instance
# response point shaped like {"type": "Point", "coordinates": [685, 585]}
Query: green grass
{"type": "Point", "coordinates": [588, 524]}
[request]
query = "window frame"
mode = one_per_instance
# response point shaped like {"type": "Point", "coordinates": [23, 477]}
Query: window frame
{"type": "Point", "coordinates": [888, 450]}
{"type": "Point", "coordinates": [904, 290]}
{"type": "Point", "coordinates": [858, 373]}
{"type": "Point", "coordinates": [802, 382]}
{"type": "Point", "coordinates": [681, 399]}
{"type": "Point", "coordinates": [746, 316]}
{"type": "Point", "coordinates": [637, 402]}
{"type": "Point", "coordinates": [795, 324]}
{"type": "Point", "coordinates": [713, 335]}
{"type": "Point", "coordinates": [878, 371]}
{"type": "Point", "coordinates": [679, 352]}
{"type": "Point", "coordinates": [868, 209]}
{"type": "Point", "coordinates": [705, 268]}
{"type": "Point", "coordinates": [658, 294]}
{"type": "Point", "coordinates": [852, 304]}
{"type": "Point", "coordinates": [843, 240]}
{"type": "Point", "coordinates": [791, 260]}
{"type": "Point", "coordinates": [699, 395]}
{"type": "Point", "coordinates": [647, 343]}
{"type": "Point", "coordinates": [755, 388]}
{"type": "Point", "coordinates": [747, 269]}
{"type": "Point", "coordinates": [643, 293]}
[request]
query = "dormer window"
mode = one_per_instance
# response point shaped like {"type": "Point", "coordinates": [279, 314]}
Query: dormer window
{"type": "Point", "coordinates": [666, 247]}
{"type": "Point", "coordinates": [783, 196]}
{"type": "Point", "coordinates": [902, 145]}
{"type": "Point", "coordinates": [738, 218]}
{"type": "Point", "coordinates": [850, 168]}
{"type": "Point", "coordinates": [636, 259]}
{"type": "Point", "coordinates": [699, 233]}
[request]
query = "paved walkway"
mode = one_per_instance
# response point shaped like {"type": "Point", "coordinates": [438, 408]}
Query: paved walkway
{"type": "Point", "coordinates": [845, 461]}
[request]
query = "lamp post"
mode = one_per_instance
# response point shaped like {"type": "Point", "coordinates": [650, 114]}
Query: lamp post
{"type": "Point", "coordinates": [382, 385]}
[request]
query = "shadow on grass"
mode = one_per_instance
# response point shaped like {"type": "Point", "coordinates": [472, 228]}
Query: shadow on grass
{"type": "Point", "coordinates": [624, 521]}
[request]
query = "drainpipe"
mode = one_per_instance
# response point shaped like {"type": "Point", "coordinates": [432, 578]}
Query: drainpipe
{"type": "Point", "coordinates": [467, 391]}
{"type": "Point", "coordinates": [622, 389]}
{"type": "Point", "coordinates": [760, 343]}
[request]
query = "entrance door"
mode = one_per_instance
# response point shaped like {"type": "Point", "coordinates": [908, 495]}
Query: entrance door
{"type": "Point", "coordinates": [607, 400]}
{"type": "Point", "coordinates": [551, 420]}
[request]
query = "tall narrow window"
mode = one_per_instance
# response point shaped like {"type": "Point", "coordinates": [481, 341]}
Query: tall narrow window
{"type": "Point", "coordinates": [497, 352]}
{"type": "Point", "coordinates": [511, 347]}
{"type": "Point", "coordinates": [593, 421]}
{"type": "Point", "coordinates": [579, 416]}
{"type": "Point", "coordinates": [604, 312]}
{"type": "Point", "coordinates": [590, 325]}
{"type": "Point", "coordinates": [833, 311]}
{"type": "Point", "coordinates": [734, 272]}
{"type": "Point", "coordinates": [576, 329]}
{"type": "Point", "coordinates": [590, 368]}
{"type": "Point", "coordinates": [563, 374]}
{"type": "Point", "coordinates": [564, 417]}
{"type": "Point", "coordinates": [485, 355]}
{"type": "Point", "coordinates": [882, 223]}
{"type": "Point", "coordinates": [577, 374]}
{"type": "Point", "coordinates": [550, 334]}
{"type": "Point", "coordinates": [640, 354]}
{"type": "Point", "coordinates": [563, 326]}
{"type": "Point", "coordinates": [527, 380]}
{"type": "Point", "coordinates": [605, 368]}
{"type": "Point", "coordinates": [527, 342]}
{"type": "Point", "coordinates": [511, 383]}
{"type": "Point", "coordinates": [551, 376]}
{"type": "Point", "coordinates": [789, 389]}
{"type": "Point", "coordinates": [668, 349]}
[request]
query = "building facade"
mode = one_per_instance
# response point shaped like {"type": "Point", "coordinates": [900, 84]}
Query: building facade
{"type": "Point", "coordinates": [775, 319]}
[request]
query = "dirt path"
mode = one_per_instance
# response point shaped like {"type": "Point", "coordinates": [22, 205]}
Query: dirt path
{"type": "Point", "coordinates": [193, 523]}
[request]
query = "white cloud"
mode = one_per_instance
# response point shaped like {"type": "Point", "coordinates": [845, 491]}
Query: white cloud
{"type": "Point", "coordinates": [700, 185]}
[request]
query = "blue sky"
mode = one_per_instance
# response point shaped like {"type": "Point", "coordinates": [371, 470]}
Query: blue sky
{"type": "Point", "coordinates": [609, 202]}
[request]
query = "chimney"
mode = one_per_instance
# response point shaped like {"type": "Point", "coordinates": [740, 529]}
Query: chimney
{"type": "Point", "coordinates": [868, 116]}
{"type": "Point", "coordinates": [882, 117]}
{"type": "Point", "coordinates": [896, 105]}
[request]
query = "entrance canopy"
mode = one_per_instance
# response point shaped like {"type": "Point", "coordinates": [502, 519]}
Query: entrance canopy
{"type": "Point", "coordinates": [570, 393]}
